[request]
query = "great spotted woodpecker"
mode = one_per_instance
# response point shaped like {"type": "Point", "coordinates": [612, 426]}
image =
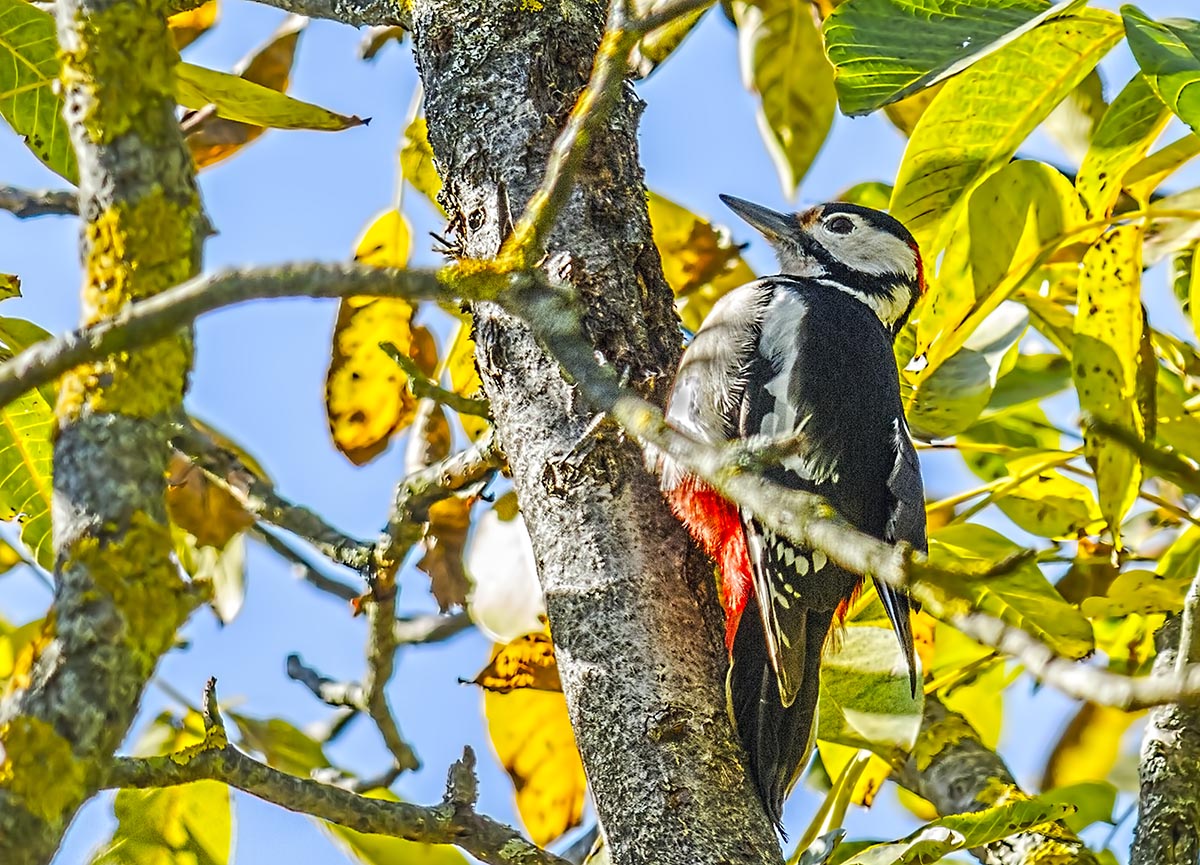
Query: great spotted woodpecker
{"type": "Point", "coordinates": [804, 356]}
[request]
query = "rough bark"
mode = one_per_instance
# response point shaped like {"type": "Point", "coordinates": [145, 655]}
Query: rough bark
{"type": "Point", "coordinates": [638, 647]}
{"type": "Point", "coordinates": [952, 768]}
{"type": "Point", "coordinates": [119, 596]}
{"type": "Point", "coordinates": [1168, 828]}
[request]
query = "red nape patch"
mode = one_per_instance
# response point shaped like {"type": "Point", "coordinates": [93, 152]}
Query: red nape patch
{"type": "Point", "coordinates": [921, 285]}
{"type": "Point", "coordinates": [716, 525]}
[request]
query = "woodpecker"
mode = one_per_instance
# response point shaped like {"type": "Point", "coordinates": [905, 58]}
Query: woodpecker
{"type": "Point", "coordinates": [805, 357]}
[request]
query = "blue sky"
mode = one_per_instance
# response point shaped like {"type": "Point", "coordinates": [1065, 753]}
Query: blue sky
{"type": "Point", "coordinates": [260, 378]}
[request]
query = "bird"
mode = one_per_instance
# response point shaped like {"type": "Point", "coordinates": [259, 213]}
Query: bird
{"type": "Point", "coordinates": [804, 357]}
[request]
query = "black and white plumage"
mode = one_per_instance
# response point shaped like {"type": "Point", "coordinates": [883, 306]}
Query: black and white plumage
{"type": "Point", "coordinates": [804, 356]}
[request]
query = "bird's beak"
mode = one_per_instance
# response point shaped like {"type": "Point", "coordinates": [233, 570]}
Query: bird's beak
{"type": "Point", "coordinates": [772, 224]}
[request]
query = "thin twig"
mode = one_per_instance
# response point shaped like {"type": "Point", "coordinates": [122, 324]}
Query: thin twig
{"type": "Point", "coordinates": [217, 760]}
{"type": "Point", "coordinates": [1172, 466]}
{"type": "Point", "coordinates": [305, 569]}
{"type": "Point", "coordinates": [430, 628]}
{"type": "Point", "coordinates": [28, 203]}
{"type": "Point", "coordinates": [425, 388]}
{"type": "Point", "coordinates": [328, 691]}
{"type": "Point", "coordinates": [258, 497]}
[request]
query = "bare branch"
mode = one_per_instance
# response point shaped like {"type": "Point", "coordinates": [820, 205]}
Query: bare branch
{"type": "Point", "coordinates": [356, 13]}
{"type": "Point", "coordinates": [28, 203]}
{"type": "Point", "coordinates": [305, 569]}
{"type": "Point", "coordinates": [431, 628]}
{"type": "Point", "coordinates": [328, 691]}
{"type": "Point", "coordinates": [259, 498]}
{"type": "Point", "coordinates": [381, 664]}
{"type": "Point", "coordinates": [423, 488]}
{"type": "Point", "coordinates": [147, 321]}
{"type": "Point", "coordinates": [217, 760]}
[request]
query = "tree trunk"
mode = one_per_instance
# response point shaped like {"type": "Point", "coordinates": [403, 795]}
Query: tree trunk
{"type": "Point", "coordinates": [632, 608]}
{"type": "Point", "coordinates": [119, 597]}
{"type": "Point", "coordinates": [1168, 827]}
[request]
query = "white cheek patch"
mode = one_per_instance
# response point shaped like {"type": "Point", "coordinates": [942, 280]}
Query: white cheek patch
{"type": "Point", "coordinates": [868, 250]}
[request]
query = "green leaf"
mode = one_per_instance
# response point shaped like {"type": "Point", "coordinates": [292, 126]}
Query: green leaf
{"type": "Point", "coordinates": [1032, 378]}
{"type": "Point", "coordinates": [1108, 333]}
{"type": "Point", "coordinates": [236, 98]}
{"type": "Point", "coordinates": [701, 263]}
{"type": "Point", "coordinates": [962, 832]}
{"type": "Point", "coordinates": [950, 399]}
{"type": "Point", "coordinates": [17, 334]}
{"type": "Point", "coordinates": [870, 193]}
{"type": "Point", "coordinates": [384, 850]}
{"type": "Point", "coordinates": [1181, 561]}
{"type": "Point", "coordinates": [26, 452]}
{"type": "Point", "coordinates": [1127, 131]}
{"type": "Point", "coordinates": [865, 699]}
{"type": "Point", "coordinates": [979, 119]}
{"type": "Point", "coordinates": [1021, 596]}
{"type": "Point", "coordinates": [416, 162]}
{"type": "Point", "coordinates": [1039, 499]}
{"type": "Point", "coordinates": [1145, 177]}
{"type": "Point", "coordinates": [1169, 54]}
{"type": "Point", "coordinates": [1010, 217]}
{"type": "Point", "coordinates": [191, 823]}
{"type": "Point", "coordinates": [782, 62]}
{"type": "Point", "coordinates": [885, 50]}
{"type": "Point", "coordinates": [28, 76]}
{"type": "Point", "coordinates": [281, 744]}
{"type": "Point", "coordinates": [1172, 226]}
{"type": "Point", "coordinates": [1093, 802]}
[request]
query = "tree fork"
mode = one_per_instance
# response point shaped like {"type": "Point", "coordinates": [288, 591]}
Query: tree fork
{"type": "Point", "coordinates": [119, 598]}
{"type": "Point", "coordinates": [638, 640]}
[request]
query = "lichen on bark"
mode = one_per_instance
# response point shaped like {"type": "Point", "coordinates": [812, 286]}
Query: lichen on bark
{"type": "Point", "coordinates": [635, 625]}
{"type": "Point", "coordinates": [119, 595]}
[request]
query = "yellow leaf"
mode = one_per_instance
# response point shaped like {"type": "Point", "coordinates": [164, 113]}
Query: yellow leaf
{"type": "Point", "coordinates": [905, 113]}
{"type": "Point", "coordinates": [526, 662]}
{"type": "Point", "coordinates": [699, 262]}
{"type": "Point", "coordinates": [531, 735]}
{"type": "Point", "coordinates": [236, 98]}
{"type": "Point", "coordinates": [1089, 747]}
{"type": "Point", "coordinates": [191, 24]}
{"type": "Point", "coordinates": [201, 507]}
{"type": "Point", "coordinates": [464, 375]}
{"type": "Point", "coordinates": [213, 138]}
{"type": "Point", "coordinates": [1108, 334]}
{"type": "Point", "coordinates": [445, 537]}
{"type": "Point", "coordinates": [416, 162]}
{"type": "Point", "coordinates": [10, 286]}
{"type": "Point", "coordinates": [783, 62]}
{"type": "Point", "coordinates": [366, 396]}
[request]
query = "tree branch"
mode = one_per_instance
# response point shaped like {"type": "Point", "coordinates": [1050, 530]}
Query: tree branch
{"type": "Point", "coordinates": [453, 822]}
{"type": "Point", "coordinates": [425, 388]}
{"type": "Point", "coordinates": [952, 768]}
{"type": "Point", "coordinates": [147, 321]}
{"type": "Point", "coordinates": [305, 569]}
{"type": "Point", "coordinates": [356, 13]}
{"type": "Point", "coordinates": [28, 203]}
{"type": "Point", "coordinates": [259, 499]}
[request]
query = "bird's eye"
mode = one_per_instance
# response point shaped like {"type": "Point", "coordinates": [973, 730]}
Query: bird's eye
{"type": "Point", "coordinates": [840, 225]}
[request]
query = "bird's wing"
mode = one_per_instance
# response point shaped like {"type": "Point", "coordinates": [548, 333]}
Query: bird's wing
{"type": "Point", "coordinates": [906, 522]}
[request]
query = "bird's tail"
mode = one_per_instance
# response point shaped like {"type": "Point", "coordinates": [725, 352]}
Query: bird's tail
{"type": "Point", "coordinates": [778, 739]}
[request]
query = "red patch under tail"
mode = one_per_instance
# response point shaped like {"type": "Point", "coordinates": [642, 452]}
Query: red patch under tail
{"type": "Point", "coordinates": [717, 526]}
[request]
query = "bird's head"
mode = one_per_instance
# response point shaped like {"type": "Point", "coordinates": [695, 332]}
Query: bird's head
{"type": "Point", "coordinates": [857, 249]}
